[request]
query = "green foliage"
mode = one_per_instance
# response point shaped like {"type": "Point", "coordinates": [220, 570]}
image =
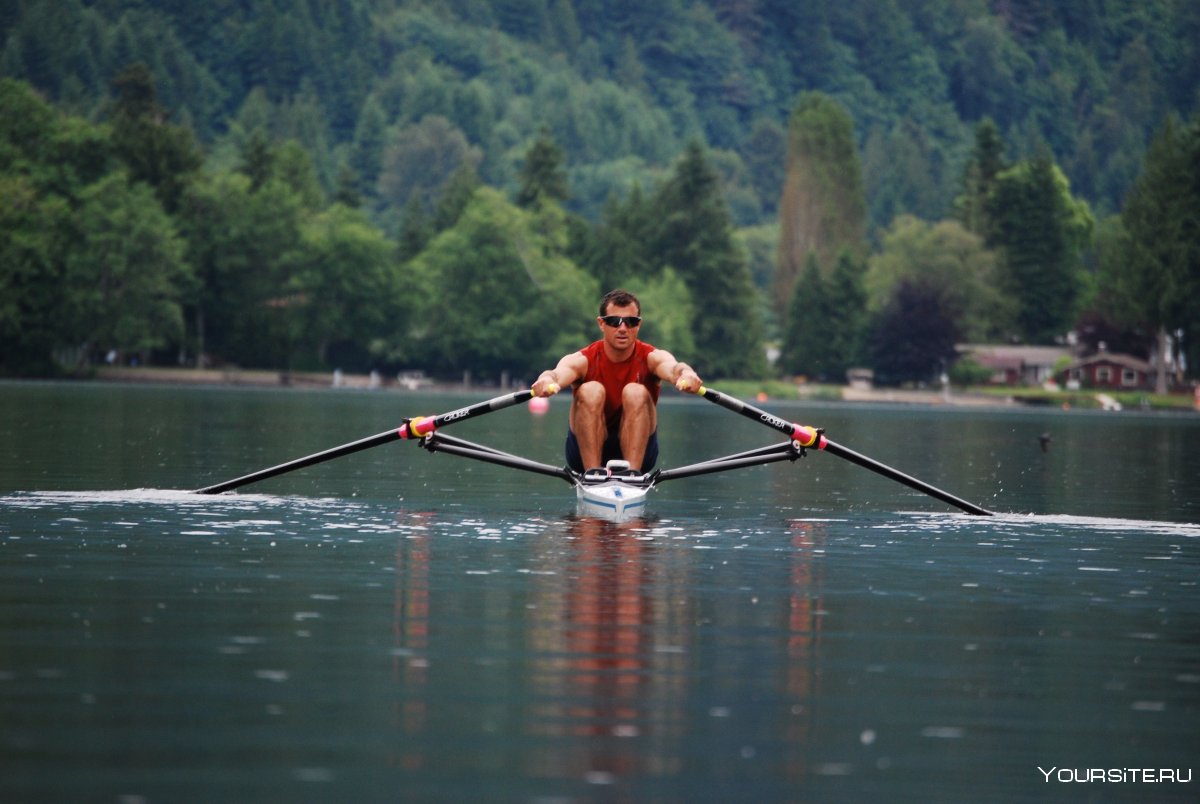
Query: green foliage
{"type": "Point", "coordinates": [1154, 279]}
{"type": "Point", "coordinates": [912, 338]}
{"type": "Point", "coordinates": [823, 209]}
{"type": "Point", "coordinates": [694, 235]}
{"type": "Point", "coordinates": [31, 274]}
{"type": "Point", "coordinates": [985, 164]}
{"type": "Point", "coordinates": [420, 160]}
{"type": "Point", "coordinates": [318, 100]}
{"type": "Point", "coordinates": [243, 246]}
{"type": "Point", "coordinates": [156, 152]}
{"type": "Point", "coordinates": [827, 321]}
{"type": "Point", "coordinates": [1042, 230]}
{"type": "Point", "coordinates": [668, 312]}
{"type": "Point", "coordinates": [946, 257]}
{"type": "Point", "coordinates": [615, 81]}
{"type": "Point", "coordinates": [966, 373]}
{"type": "Point", "coordinates": [124, 270]}
{"type": "Point", "coordinates": [847, 304]}
{"type": "Point", "coordinates": [803, 349]}
{"type": "Point", "coordinates": [542, 176]}
{"type": "Point", "coordinates": [495, 292]}
{"type": "Point", "coordinates": [346, 287]}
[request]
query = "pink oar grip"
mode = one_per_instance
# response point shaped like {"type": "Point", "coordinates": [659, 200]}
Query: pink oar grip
{"type": "Point", "coordinates": [418, 427]}
{"type": "Point", "coordinates": [808, 436]}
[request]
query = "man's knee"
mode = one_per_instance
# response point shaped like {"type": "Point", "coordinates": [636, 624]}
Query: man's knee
{"type": "Point", "coordinates": [590, 393]}
{"type": "Point", "coordinates": [634, 396]}
{"type": "Point", "coordinates": [588, 400]}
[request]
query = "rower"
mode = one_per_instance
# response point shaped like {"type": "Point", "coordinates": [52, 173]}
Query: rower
{"type": "Point", "coordinates": [616, 381]}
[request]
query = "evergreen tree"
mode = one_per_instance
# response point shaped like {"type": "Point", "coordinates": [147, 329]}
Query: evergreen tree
{"type": "Point", "coordinates": [454, 198]}
{"type": "Point", "coordinates": [1042, 230]}
{"type": "Point", "coordinates": [985, 164]}
{"type": "Point", "coordinates": [257, 159]}
{"type": "Point", "coordinates": [803, 350]}
{"type": "Point", "coordinates": [1156, 283]}
{"type": "Point", "coordinates": [694, 235]}
{"type": "Point", "coordinates": [542, 176]}
{"type": "Point", "coordinates": [846, 305]}
{"type": "Point", "coordinates": [366, 149]}
{"type": "Point", "coordinates": [157, 152]}
{"type": "Point", "coordinates": [619, 250]}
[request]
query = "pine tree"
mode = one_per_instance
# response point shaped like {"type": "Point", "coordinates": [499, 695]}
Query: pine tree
{"type": "Point", "coordinates": [542, 176]}
{"type": "Point", "coordinates": [1042, 231]}
{"type": "Point", "coordinates": [803, 349]}
{"type": "Point", "coordinates": [986, 163]}
{"type": "Point", "coordinates": [1158, 282]}
{"type": "Point", "coordinates": [695, 237]}
{"type": "Point", "coordinates": [157, 152]}
{"type": "Point", "coordinates": [846, 305]}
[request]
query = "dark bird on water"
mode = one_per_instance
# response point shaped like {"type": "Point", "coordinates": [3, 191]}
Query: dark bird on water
{"type": "Point", "coordinates": [1044, 440]}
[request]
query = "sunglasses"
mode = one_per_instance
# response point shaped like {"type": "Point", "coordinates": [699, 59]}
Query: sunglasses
{"type": "Point", "coordinates": [615, 321]}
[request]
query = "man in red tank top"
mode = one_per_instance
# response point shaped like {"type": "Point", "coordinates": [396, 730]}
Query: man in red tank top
{"type": "Point", "coordinates": [616, 382]}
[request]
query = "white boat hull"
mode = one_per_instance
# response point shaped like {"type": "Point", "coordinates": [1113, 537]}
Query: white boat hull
{"type": "Point", "coordinates": [612, 500]}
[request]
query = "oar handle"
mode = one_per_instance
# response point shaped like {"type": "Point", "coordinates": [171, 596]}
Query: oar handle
{"type": "Point", "coordinates": [422, 426]}
{"type": "Point", "coordinates": [808, 437]}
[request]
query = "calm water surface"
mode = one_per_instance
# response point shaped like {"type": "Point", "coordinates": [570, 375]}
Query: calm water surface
{"type": "Point", "coordinates": [395, 625]}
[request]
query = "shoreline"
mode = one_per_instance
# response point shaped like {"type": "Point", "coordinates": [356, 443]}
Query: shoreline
{"type": "Point", "coordinates": [337, 380]}
{"type": "Point", "coordinates": [341, 380]}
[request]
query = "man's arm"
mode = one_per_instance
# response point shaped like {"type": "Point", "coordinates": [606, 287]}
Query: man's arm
{"type": "Point", "coordinates": [667, 368]}
{"type": "Point", "coordinates": [569, 369]}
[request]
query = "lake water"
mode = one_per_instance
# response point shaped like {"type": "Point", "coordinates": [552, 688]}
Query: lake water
{"type": "Point", "coordinates": [396, 625]}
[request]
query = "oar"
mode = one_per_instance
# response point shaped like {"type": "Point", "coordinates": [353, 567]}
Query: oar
{"type": "Point", "coordinates": [815, 439]}
{"type": "Point", "coordinates": [412, 428]}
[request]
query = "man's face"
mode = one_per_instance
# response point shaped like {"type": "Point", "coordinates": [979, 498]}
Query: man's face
{"type": "Point", "coordinates": [622, 336]}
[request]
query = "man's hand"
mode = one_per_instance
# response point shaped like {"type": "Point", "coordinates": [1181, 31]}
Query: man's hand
{"type": "Point", "coordinates": [546, 384]}
{"type": "Point", "coordinates": [687, 380]}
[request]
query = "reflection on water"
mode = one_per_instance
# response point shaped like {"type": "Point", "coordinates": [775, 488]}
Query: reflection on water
{"type": "Point", "coordinates": [606, 647]}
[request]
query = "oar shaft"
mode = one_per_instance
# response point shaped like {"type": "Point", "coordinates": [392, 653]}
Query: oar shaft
{"type": "Point", "coordinates": [415, 428]}
{"type": "Point", "coordinates": [809, 437]}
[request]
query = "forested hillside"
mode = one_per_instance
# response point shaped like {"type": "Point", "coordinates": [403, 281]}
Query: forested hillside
{"type": "Point", "coordinates": [356, 135]}
{"type": "Point", "coordinates": [623, 86]}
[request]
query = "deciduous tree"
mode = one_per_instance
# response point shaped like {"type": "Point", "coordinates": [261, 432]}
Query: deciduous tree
{"type": "Point", "coordinates": [823, 207]}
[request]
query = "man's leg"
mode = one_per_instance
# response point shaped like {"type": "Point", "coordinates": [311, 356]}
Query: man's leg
{"type": "Point", "coordinates": [587, 422]}
{"type": "Point", "coordinates": [638, 421]}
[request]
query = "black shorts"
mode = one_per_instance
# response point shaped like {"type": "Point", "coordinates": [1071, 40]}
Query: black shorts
{"type": "Point", "coordinates": [610, 452]}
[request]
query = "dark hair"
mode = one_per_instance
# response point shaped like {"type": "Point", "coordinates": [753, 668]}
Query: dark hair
{"type": "Point", "coordinates": [619, 298]}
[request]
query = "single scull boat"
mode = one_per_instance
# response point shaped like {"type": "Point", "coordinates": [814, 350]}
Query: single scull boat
{"type": "Point", "coordinates": [614, 492]}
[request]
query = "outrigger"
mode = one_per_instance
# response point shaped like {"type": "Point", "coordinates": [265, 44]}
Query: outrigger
{"type": "Point", "coordinates": [615, 492]}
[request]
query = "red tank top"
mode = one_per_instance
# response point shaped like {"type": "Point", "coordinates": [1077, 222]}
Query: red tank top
{"type": "Point", "coordinates": [615, 376]}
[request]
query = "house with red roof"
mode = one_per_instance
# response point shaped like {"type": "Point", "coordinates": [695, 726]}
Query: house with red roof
{"type": "Point", "coordinates": [1109, 370]}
